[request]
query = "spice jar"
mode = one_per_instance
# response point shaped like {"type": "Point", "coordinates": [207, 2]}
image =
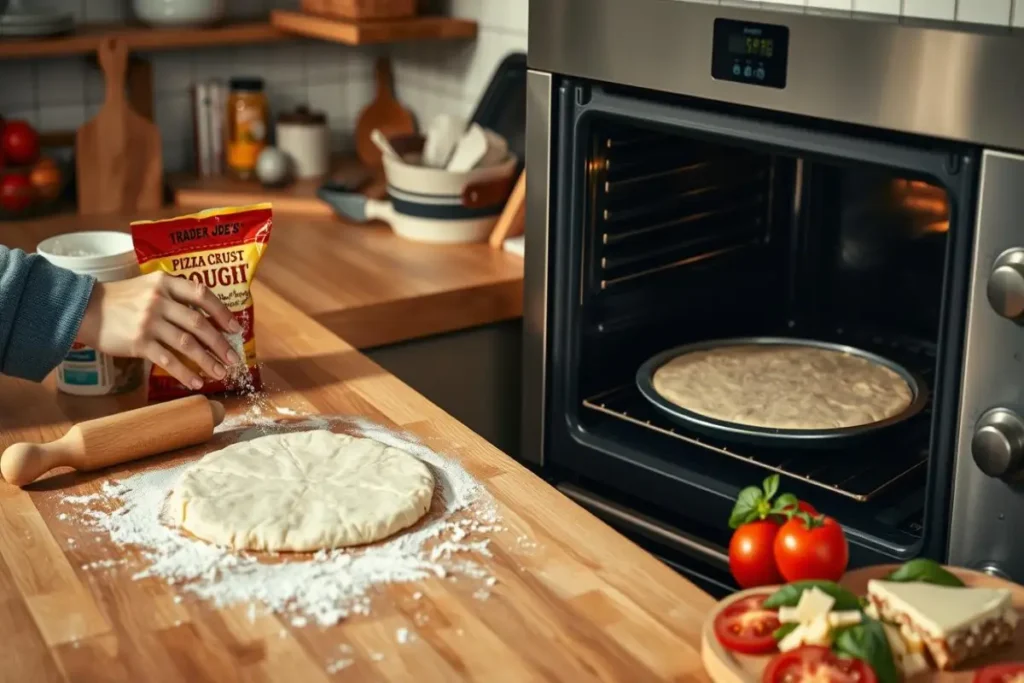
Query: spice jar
{"type": "Point", "coordinates": [303, 135]}
{"type": "Point", "coordinates": [248, 120]}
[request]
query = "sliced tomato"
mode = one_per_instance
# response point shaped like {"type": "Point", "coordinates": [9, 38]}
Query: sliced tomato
{"type": "Point", "coordinates": [814, 664]}
{"type": "Point", "coordinates": [1001, 673]}
{"type": "Point", "coordinates": [747, 625]}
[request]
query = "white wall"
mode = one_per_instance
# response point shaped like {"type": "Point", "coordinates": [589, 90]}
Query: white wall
{"type": "Point", "coordinates": [433, 78]}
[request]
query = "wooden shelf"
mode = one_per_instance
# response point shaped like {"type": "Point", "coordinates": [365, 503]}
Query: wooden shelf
{"type": "Point", "coordinates": [86, 39]}
{"type": "Point", "coordinates": [368, 32]}
{"type": "Point", "coordinates": [299, 198]}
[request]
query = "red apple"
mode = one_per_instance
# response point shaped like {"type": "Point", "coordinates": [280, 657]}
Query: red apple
{"type": "Point", "coordinates": [19, 142]}
{"type": "Point", "coordinates": [15, 192]}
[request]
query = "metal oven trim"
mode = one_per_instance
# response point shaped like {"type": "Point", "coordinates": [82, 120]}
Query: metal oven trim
{"type": "Point", "coordinates": [669, 535]}
{"type": "Point", "coordinates": [983, 508]}
{"type": "Point", "coordinates": [535, 279]}
{"type": "Point", "coordinates": [666, 46]}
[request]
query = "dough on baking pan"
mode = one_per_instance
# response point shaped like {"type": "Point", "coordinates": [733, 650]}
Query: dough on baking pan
{"type": "Point", "coordinates": [301, 491]}
{"type": "Point", "coordinates": [783, 386]}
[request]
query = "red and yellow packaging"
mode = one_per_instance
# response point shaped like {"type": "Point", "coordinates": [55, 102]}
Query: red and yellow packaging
{"type": "Point", "coordinates": [220, 248]}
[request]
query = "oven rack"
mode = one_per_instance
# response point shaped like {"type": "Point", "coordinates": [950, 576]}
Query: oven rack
{"type": "Point", "coordinates": [839, 470]}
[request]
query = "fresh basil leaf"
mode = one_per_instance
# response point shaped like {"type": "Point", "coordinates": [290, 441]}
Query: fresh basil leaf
{"type": "Point", "coordinates": [926, 571]}
{"type": "Point", "coordinates": [771, 486]}
{"type": "Point", "coordinates": [786, 500]}
{"type": "Point", "coordinates": [746, 507]}
{"type": "Point", "coordinates": [789, 595]}
{"type": "Point", "coordinates": [783, 631]}
{"type": "Point", "coordinates": [866, 641]}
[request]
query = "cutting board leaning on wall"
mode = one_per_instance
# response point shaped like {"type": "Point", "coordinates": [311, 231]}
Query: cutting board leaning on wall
{"type": "Point", "coordinates": [118, 154]}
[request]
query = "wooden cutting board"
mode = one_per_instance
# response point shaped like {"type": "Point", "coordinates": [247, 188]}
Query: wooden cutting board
{"type": "Point", "coordinates": [118, 154]}
{"type": "Point", "coordinates": [384, 112]}
{"type": "Point", "coordinates": [725, 666]}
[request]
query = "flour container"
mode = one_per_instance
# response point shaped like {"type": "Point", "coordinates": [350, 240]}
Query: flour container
{"type": "Point", "coordinates": [108, 257]}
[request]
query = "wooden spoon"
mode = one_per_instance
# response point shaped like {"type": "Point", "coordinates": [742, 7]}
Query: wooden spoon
{"type": "Point", "coordinates": [384, 113]}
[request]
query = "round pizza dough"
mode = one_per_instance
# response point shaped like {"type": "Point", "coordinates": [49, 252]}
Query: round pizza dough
{"type": "Point", "coordinates": [301, 491]}
{"type": "Point", "coordinates": [783, 386]}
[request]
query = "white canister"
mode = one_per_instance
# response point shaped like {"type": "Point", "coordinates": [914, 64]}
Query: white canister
{"type": "Point", "coordinates": [108, 257]}
{"type": "Point", "coordinates": [304, 136]}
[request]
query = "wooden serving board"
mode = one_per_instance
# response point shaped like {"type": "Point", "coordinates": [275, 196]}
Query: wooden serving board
{"type": "Point", "coordinates": [725, 666]}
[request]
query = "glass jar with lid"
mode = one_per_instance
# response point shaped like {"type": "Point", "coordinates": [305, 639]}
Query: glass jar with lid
{"type": "Point", "coordinates": [248, 120]}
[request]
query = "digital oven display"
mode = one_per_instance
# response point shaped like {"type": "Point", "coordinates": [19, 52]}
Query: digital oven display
{"type": "Point", "coordinates": [750, 53]}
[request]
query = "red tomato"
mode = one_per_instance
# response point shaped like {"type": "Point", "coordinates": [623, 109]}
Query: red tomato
{"type": "Point", "coordinates": [1000, 673]}
{"type": "Point", "coordinates": [15, 192]}
{"type": "Point", "coordinates": [814, 550]}
{"type": "Point", "coordinates": [20, 143]}
{"type": "Point", "coordinates": [746, 626]}
{"type": "Point", "coordinates": [814, 664]}
{"type": "Point", "coordinates": [752, 554]}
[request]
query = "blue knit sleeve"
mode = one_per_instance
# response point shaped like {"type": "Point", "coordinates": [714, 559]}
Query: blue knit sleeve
{"type": "Point", "coordinates": [41, 308]}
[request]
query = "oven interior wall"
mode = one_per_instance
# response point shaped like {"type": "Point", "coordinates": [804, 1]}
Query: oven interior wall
{"type": "Point", "coordinates": [688, 240]}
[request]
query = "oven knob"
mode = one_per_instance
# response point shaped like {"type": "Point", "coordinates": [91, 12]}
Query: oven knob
{"type": "Point", "coordinates": [1006, 284]}
{"type": "Point", "coordinates": [998, 443]}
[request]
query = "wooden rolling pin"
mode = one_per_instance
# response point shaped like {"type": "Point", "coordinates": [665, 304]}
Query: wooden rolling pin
{"type": "Point", "coordinates": [114, 439]}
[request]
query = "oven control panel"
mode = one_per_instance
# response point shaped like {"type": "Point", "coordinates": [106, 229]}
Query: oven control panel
{"type": "Point", "coordinates": [748, 52]}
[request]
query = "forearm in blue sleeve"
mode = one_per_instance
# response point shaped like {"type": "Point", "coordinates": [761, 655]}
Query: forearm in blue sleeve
{"type": "Point", "coordinates": [41, 308]}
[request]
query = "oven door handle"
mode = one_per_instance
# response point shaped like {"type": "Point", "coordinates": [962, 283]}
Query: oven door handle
{"type": "Point", "coordinates": [653, 529]}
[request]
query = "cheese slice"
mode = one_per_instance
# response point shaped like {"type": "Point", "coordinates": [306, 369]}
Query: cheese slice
{"type": "Point", "coordinates": [843, 618]}
{"type": "Point", "coordinates": [941, 610]}
{"type": "Point", "coordinates": [814, 603]}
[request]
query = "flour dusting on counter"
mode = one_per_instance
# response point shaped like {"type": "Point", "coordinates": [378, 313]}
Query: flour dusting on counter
{"type": "Point", "coordinates": [324, 587]}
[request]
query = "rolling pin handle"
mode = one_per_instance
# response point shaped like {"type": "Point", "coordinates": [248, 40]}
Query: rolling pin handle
{"type": "Point", "coordinates": [23, 463]}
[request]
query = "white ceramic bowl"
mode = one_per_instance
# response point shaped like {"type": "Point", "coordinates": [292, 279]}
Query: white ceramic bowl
{"type": "Point", "coordinates": [426, 204]}
{"type": "Point", "coordinates": [179, 12]}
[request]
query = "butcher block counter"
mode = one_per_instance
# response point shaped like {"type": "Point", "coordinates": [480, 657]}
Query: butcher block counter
{"type": "Point", "coordinates": [570, 599]}
{"type": "Point", "coordinates": [362, 282]}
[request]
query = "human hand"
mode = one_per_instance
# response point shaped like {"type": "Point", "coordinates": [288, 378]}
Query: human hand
{"type": "Point", "coordinates": [152, 315]}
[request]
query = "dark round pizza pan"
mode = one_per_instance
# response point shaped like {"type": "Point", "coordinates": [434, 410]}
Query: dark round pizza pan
{"type": "Point", "coordinates": [809, 438]}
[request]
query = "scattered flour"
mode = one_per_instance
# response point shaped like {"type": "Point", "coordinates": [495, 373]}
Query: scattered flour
{"type": "Point", "coordinates": [335, 667]}
{"type": "Point", "coordinates": [404, 635]}
{"type": "Point", "coordinates": [324, 587]}
{"type": "Point", "coordinates": [376, 656]}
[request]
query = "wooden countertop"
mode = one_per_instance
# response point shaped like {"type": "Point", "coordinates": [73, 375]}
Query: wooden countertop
{"type": "Point", "coordinates": [583, 604]}
{"type": "Point", "coordinates": [362, 282]}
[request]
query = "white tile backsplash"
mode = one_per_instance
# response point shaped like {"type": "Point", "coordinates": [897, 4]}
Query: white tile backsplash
{"type": "Point", "coordinates": [891, 7]}
{"type": "Point", "coordinates": [930, 9]}
{"type": "Point", "coordinates": [61, 81]}
{"type": "Point", "coordinates": [62, 116]}
{"type": "Point", "coordinates": [995, 12]}
{"type": "Point", "coordinates": [19, 85]}
{"type": "Point", "coordinates": [846, 5]}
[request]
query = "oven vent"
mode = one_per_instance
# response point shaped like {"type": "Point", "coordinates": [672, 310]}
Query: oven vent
{"type": "Point", "coordinates": [660, 203]}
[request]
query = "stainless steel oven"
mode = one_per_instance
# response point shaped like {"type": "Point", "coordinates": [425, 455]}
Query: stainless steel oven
{"type": "Point", "coordinates": [698, 172]}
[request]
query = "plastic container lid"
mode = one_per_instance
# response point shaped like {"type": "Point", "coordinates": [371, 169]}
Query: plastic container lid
{"type": "Point", "coordinates": [247, 84]}
{"type": "Point", "coordinates": [107, 255]}
{"type": "Point", "coordinates": [303, 116]}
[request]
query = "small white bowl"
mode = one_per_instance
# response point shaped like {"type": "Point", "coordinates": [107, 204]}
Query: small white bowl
{"type": "Point", "coordinates": [180, 13]}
